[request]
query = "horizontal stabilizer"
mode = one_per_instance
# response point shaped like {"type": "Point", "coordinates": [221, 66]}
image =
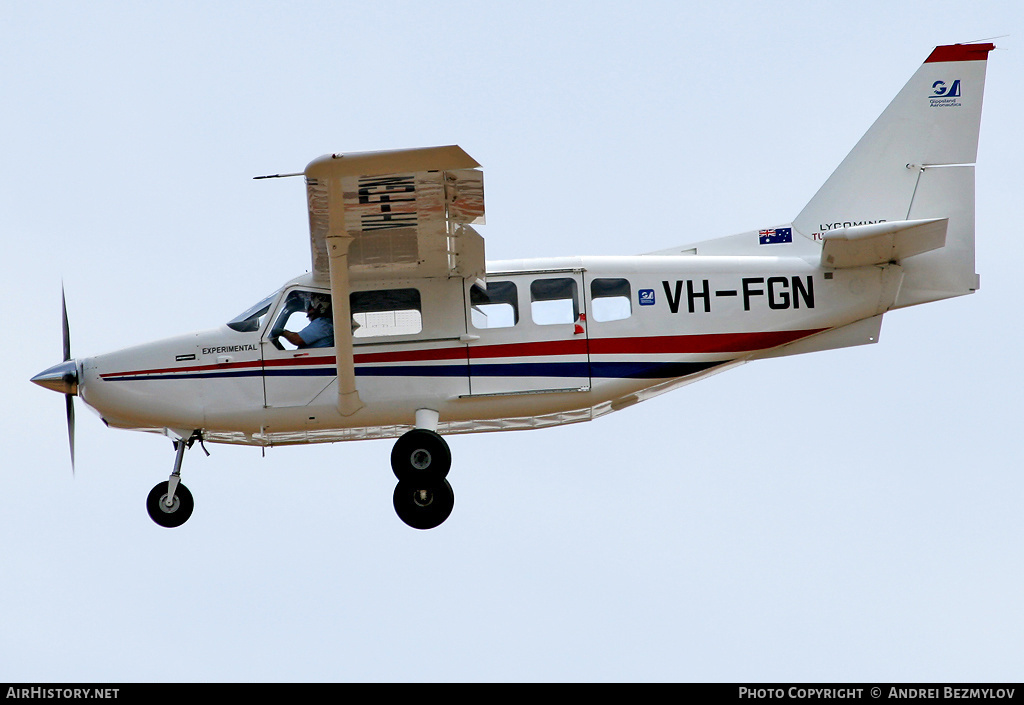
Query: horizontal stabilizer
{"type": "Point", "coordinates": [879, 243]}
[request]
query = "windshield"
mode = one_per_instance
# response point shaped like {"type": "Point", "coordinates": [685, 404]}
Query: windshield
{"type": "Point", "coordinates": [250, 320]}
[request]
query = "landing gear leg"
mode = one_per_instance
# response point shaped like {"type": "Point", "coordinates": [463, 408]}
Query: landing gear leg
{"type": "Point", "coordinates": [420, 460]}
{"type": "Point", "coordinates": [170, 503]}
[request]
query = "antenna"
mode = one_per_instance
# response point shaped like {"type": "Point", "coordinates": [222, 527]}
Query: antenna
{"type": "Point", "coordinates": [975, 41]}
{"type": "Point", "coordinates": [278, 176]}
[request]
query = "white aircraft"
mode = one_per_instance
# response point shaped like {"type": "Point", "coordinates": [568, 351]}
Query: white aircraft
{"type": "Point", "coordinates": [412, 337]}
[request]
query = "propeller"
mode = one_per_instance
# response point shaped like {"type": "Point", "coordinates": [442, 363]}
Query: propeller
{"type": "Point", "coordinates": [63, 378]}
{"type": "Point", "coordinates": [69, 399]}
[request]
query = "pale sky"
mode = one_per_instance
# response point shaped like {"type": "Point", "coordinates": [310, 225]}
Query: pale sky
{"type": "Point", "coordinates": [851, 515]}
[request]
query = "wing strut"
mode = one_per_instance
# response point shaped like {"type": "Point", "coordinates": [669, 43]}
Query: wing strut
{"type": "Point", "coordinates": [348, 398]}
{"type": "Point", "coordinates": [338, 241]}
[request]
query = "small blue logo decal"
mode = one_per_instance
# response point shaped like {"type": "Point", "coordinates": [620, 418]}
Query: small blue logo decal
{"type": "Point", "coordinates": [941, 89]}
{"type": "Point", "coordinates": [945, 95]}
{"type": "Point", "coordinates": [646, 297]}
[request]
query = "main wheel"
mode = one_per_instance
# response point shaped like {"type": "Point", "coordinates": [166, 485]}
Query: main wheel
{"type": "Point", "coordinates": [424, 506]}
{"type": "Point", "coordinates": [174, 515]}
{"type": "Point", "coordinates": [421, 455]}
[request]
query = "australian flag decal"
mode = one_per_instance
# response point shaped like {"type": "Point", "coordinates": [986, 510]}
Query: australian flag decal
{"type": "Point", "coordinates": [775, 236]}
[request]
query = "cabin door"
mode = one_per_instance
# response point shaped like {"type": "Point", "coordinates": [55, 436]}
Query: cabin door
{"type": "Point", "coordinates": [528, 333]}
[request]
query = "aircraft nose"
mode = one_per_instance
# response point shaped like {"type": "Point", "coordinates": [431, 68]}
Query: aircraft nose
{"type": "Point", "coordinates": [61, 378]}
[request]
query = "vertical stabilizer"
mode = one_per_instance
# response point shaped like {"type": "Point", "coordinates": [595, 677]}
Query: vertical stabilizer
{"type": "Point", "coordinates": [915, 163]}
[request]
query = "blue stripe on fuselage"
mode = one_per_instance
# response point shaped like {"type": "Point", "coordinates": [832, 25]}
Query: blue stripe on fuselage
{"type": "Point", "coordinates": [603, 370]}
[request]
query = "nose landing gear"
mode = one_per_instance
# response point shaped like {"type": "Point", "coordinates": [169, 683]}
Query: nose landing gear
{"type": "Point", "coordinates": [170, 503]}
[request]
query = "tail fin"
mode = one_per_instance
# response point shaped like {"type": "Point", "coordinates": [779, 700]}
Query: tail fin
{"type": "Point", "coordinates": [917, 163]}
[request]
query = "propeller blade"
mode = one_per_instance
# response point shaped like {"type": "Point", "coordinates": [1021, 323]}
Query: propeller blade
{"type": "Point", "coordinates": [70, 401]}
{"type": "Point", "coordinates": [64, 320]}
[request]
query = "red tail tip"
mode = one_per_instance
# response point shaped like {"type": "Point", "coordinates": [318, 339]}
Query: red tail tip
{"type": "Point", "coordinates": [960, 52]}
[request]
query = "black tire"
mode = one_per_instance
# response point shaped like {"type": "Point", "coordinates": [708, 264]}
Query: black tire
{"type": "Point", "coordinates": [175, 515]}
{"type": "Point", "coordinates": [424, 506]}
{"type": "Point", "coordinates": [421, 456]}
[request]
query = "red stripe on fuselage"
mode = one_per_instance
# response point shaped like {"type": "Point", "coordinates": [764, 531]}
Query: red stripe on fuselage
{"type": "Point", "coordinates": [194, 368]}
{"type": "Point", "coordinates": [651, 345]}
{"type": "Point", "coordinates": [694, 344]}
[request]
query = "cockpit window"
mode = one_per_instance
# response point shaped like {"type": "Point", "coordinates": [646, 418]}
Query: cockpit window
{"type": "Point", "coordinates": [250, 320]}
{"type": "Point", "coordinates": [305, 321]}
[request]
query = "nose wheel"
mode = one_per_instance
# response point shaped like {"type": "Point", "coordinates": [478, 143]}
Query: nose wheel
{"type": "Point", "coordinates": [173, 512]}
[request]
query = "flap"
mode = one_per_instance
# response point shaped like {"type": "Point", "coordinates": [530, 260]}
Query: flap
{"type": "Point", "coordinates": [879, 243]}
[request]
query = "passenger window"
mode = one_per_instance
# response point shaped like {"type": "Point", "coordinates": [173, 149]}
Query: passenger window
{"type": "Point", "coordinates": [610, 299]}
{"type": "Point", "coordinates": [554, 301]}
{"type": "Point", "coordinates": [386, 312]}
{"type": "Point", "coordinates": [497, 306]}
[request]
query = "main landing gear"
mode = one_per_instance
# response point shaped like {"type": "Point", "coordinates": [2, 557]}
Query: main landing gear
{"type": "Point", "coordinates": [420, 460]}
{"type": "Point", "coordinates": [170, 503]}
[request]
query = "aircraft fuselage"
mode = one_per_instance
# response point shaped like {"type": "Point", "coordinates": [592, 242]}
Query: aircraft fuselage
{"type": "Point", "coordinates": [563, 340]}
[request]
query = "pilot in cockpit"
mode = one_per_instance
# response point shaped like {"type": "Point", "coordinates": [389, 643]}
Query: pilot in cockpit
{"type": "Point", "coordinates": [320, 331]}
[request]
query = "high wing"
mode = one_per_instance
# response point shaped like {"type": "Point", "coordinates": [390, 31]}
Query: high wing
{"type": "Point", "coordinates": [380, 216]}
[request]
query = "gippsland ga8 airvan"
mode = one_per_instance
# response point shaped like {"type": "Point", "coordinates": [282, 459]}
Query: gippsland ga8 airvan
{"type": "Point", "coordinates": [401, 330]}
